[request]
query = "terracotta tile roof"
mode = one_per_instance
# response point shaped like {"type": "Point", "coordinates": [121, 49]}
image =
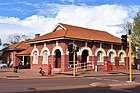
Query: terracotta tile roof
{"type": "Point", "coordinates": [69, 31]}
{"type": "Point", "coordinates": [19, 45]}
{"type": "Point", "coordinates": [25, 52]}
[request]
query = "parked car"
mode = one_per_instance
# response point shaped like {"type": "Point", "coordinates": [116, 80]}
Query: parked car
{"type": "Point", "coordinates": [3, 65]}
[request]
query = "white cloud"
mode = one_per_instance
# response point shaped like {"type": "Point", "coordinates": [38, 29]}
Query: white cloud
{"type": "Point", "coordinates": [29, 26]}
{"type": "Point", "coordinates": [109, 18]}
{"type": "Point", "coordinates": [104, 17]}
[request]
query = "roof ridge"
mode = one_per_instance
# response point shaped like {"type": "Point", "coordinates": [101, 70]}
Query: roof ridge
{"type": "Point", "coordinates": [82, 27]}
{"type": "Point", "coordinates": [19, 44]}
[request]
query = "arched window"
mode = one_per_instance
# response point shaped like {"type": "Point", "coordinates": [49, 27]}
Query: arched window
{"type": "Point", "coordinates": [35, 58]}
{"type": "Point", "coordinates": [99, 56]}
{"type": "Point", "coordinates": [121, 58]}
{"type": "Point", "coordinates": [45, 57]}
{"type": "Point", "coordinates": [111, 57]}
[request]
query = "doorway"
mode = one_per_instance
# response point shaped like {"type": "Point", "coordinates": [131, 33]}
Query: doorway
{"type": "Point", "coordinates": [58, 59]}
{"type": "Point", "coordinates": [84, 59]}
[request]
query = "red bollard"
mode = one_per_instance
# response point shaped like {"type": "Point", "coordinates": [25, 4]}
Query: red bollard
{"type": "Point", "coordinates": [49, 70]}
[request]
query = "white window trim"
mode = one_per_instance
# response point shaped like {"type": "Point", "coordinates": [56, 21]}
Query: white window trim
{"type": "Point", "coordinates": [121, 62]}
{"type": "Point", "coordinates": [35, 61]}
{"type": "Point", "coordinates": [101, 62]}
{"type": "Point", "coordinates": [43, 61]}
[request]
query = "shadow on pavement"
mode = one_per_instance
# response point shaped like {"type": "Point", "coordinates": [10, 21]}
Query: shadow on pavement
{"type": "Point", "coordinates": [87, 90]}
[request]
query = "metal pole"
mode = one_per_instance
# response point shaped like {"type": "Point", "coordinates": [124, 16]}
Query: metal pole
{"type": "Point", "coordinates": [130, 58]}
{"type": "Point", "coordinates": [74, 63]}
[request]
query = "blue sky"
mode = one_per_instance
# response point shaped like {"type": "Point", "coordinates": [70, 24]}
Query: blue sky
{"type": "Point", "coordinates": [28, 17]}
{"type": "Point", "coordinates": [25, 8]}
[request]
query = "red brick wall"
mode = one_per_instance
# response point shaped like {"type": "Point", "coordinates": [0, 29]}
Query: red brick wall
{"type": "Point", "coordinates": [64, 58]}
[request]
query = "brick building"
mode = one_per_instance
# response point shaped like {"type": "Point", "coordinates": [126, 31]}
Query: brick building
{"type": "Point", "coordinates": [95, 48]}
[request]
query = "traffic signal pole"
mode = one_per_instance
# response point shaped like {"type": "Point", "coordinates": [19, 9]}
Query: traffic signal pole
{"type": "Point", "coordinates": [130, 59]}
{"type": "Point", "coordinates": [74, 62]}
{"type": "Point", "coordinates": [73, 50]}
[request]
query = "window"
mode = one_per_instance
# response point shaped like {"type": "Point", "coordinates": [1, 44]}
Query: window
{"type": "Point", "coordinates": [35, 58]}
{"type": "Point", "coordinates": [45, 57]}
{"type": "Point", "coordinates": [99, 56]}
{"type": "Point", "coordinates": [111, 57]}
{"type": "Point", "coordinates": [121, 57]}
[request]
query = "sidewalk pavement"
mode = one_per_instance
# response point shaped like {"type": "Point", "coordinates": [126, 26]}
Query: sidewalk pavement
{"type": "Point", "coordinates": [7, 73]}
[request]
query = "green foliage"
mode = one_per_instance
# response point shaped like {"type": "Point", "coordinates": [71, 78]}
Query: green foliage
{"type": "Point", "coordinates": [135, 28]}
{"type": "Point", "coordinates": [136, 34]}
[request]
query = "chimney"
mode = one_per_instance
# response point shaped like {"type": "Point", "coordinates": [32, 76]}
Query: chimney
{"type": "Point", "coordinates": [37, 35]}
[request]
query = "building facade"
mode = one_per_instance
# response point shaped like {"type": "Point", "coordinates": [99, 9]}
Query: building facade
{"type": "Point", "coordinates": [18, 52]}
{"type": "Point", "coordinates": [95, 48]}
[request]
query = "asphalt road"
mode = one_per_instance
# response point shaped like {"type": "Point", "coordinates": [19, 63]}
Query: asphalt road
{"type": "Point", "coordinates": [64, 85]}
{"type": "Point", "coordinates": [135, 78]}
{"type": "Point", "coordinates": [42, 84]}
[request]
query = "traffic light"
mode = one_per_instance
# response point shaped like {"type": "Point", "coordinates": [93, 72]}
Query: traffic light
{"type": "Point", "coordinates": [124, 41]}
{"type": "Point", "coordinates": [70, 48]}
{"type": "Point", "coordinates": [77, 48]}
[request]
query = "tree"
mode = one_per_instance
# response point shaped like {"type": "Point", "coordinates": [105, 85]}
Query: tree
{"type": "Point", "coordinates": [0, 42]}
{"type": "Point", "coordinates": [14, 38]}
{"type": "Point", "coordinates": [128, 27]}
{"type": "Point", "coordinates": [136, 33]}
{"type": "Point", "coordinates": [135, 29]}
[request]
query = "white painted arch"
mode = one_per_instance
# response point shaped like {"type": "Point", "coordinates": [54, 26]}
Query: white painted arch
{"type": "Point", "coordinates": [100, 49]}
{"type": "Point", "coordinates": [111, 50]}
{"type": "Point", "coordinates": [55, 48]}
{"type": "Point", "coordinates": [43, 49]}
{"type": "Point", "coordinates": [122, 51]}
{"type": "Point", "coordinates": [86, 48]}
{"type": "Point", "coordinates": [35, 49]}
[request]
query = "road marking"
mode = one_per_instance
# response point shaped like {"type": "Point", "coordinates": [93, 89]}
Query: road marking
{"type": "Point", "coordinates": [107, 79]}
{"type": "Point", "coordinates": [115, 80]}
{"type": "Point", "coordinates": [123, 90]}
{"type": "Point", "coordinates": [91, 77]}
{"type": "Point", "coordinates": [99, 78]}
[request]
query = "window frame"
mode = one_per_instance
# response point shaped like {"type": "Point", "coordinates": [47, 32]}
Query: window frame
{"type": "Point", "coordinates": [111, 57]}
{"type": "Point", "coordinates": [45, 59]}
{"type": "Point", "coordinates": [100, 57]}
{"type": "Point", "coordinates": [121, 60]}
{"type": "Point", "coordinates": [35, 57]}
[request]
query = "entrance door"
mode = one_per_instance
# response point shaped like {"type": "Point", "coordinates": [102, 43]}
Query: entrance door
{"type": "Point", "coordinates": [58, 59]}
{"type": "Point", "coordinates": [84, 59]}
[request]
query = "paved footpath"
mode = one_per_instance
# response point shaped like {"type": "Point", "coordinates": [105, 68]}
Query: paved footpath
{"type": "Point", "coordinates": [7, 73]}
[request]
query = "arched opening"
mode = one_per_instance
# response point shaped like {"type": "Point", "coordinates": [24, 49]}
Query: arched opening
{"type": "Point", "coordinates": [100, 57]}
{"type": "Point", "coordinates": [84, 59]}
{"type": "Point", "coordinates": [121, 58]}
{"type": "Point", "coordinates": [45, 57]}
{"type": "Point", "coordinates": [57, 59]}
{"type": "Point", "coordinates": [111, 57]}
{"type": "Point", "coordinates": [35, 57]}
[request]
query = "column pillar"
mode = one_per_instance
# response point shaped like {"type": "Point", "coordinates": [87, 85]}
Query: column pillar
{"type": "Point", "coordinates": [117, 61]}
{"type": "Point", "coordinates": [23, 60]}
{"type": "Point", "coordinates": [64, 62]}
{"type": "Point", "coordinates": [126, 60]}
